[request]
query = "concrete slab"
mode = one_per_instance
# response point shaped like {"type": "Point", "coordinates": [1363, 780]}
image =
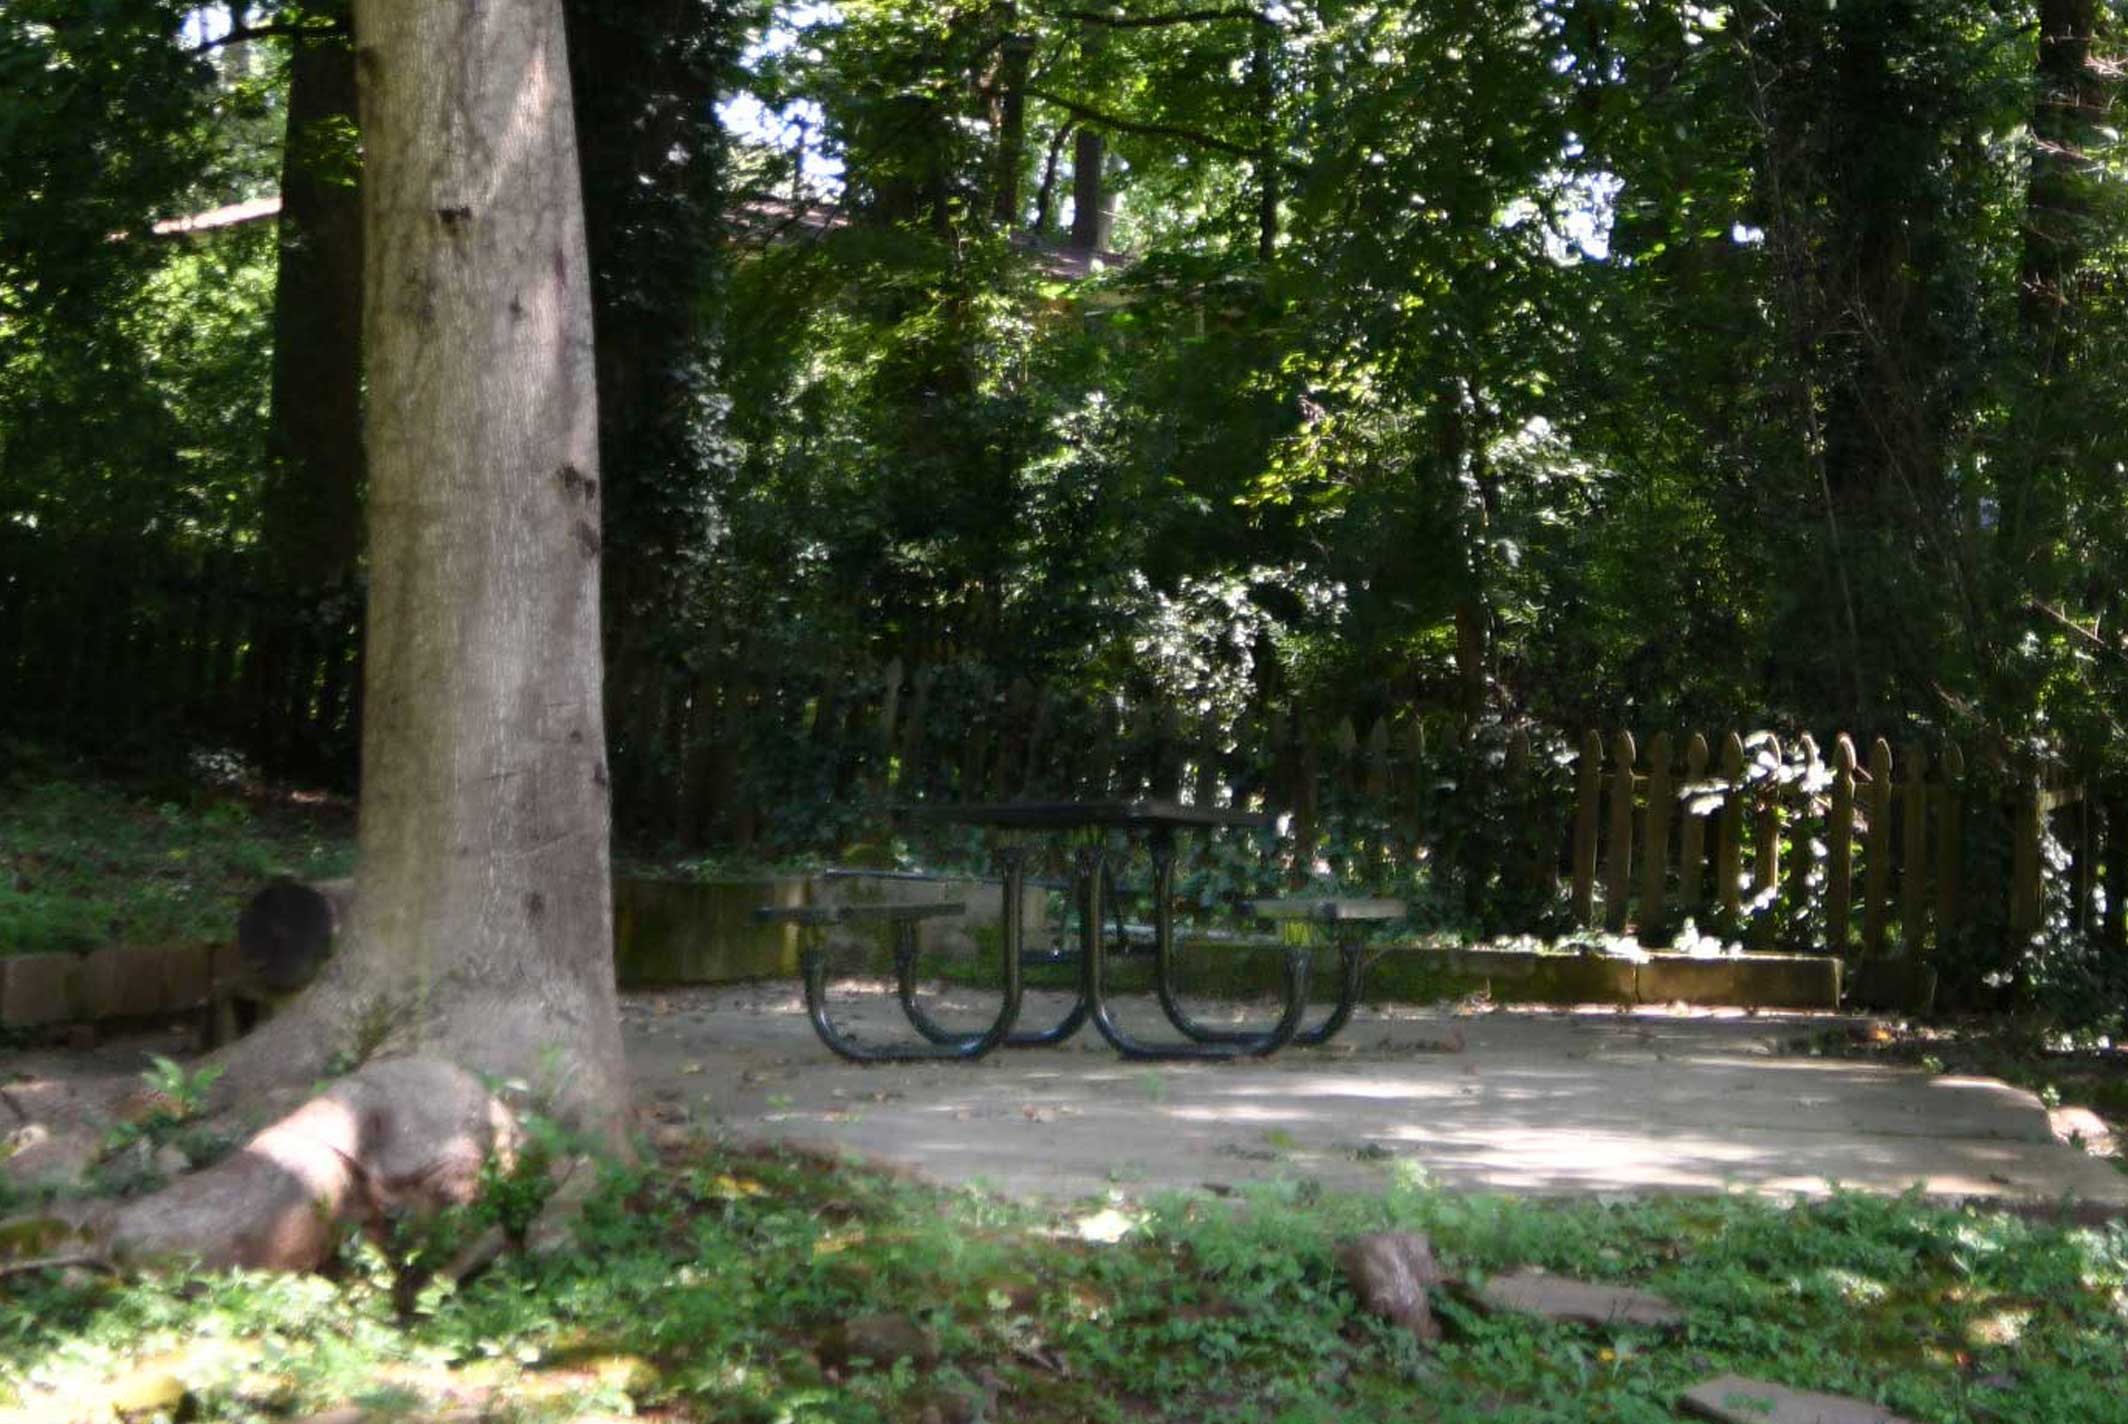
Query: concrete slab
{"type": "Point", "coordinates": [1601, 1101]}
{"type": "Point", "coordinates": [1732, 1399]}
{"type": "Point", "coordinates": [1577, 1302]}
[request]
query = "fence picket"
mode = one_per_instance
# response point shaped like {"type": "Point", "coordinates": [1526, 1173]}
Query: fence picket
{"type": "Point", "coordinates": [2113, 929]}
{"type": "Point", "coordinates": [1802, 849]}
{"type": "Point", "coordinates": [909, 773]}
{"type": "Point", "coordinates": [1692, 832]}
{"type": "Point", "coordinates": [1655, 846]}
{"type": "Point", "coordinates": [1588, 791]}
{"type": "Point", "coordinates": [1205, 764]}
{"type": "Point", "coordinates": [1618, 853]}
{"type": "Point", "coordinates": [1729, 837]}
{"type": "Point", "coordinates": [1377, 782]}
{"type": "Point", "coordinates": [1950, 811]}
{"type": "Point", "coordinates": [1766, 869]}
{"type": "Point", "coordinates": [1913, 885]}
{"type": "Point", "coordinates": [1877, 874]}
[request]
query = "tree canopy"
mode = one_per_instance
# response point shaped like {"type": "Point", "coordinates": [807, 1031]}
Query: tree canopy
{"type": "Point", "coordinates": [1585, 361]}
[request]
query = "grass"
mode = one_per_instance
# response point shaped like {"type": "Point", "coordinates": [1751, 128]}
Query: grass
{"type": "Point", "coordinates": [711, 1285]}
{"type": "Point", "coordinates": [88, 861]}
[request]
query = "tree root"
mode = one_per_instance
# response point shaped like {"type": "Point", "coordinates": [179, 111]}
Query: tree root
{"type": "Point", "coordinates": [404, 1137]}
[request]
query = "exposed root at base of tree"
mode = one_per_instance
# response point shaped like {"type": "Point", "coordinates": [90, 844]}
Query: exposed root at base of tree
{"type": "Point", "coordinates": [401, 1138]}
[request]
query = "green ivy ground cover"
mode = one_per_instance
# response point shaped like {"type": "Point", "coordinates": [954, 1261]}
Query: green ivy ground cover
{"type": "Point", "coordinates": [711, 1285]}
{"type": "Point", "coordinates": [87, 861]}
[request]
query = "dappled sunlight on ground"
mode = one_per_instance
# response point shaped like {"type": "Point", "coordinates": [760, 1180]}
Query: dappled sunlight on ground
{"type": "Point", "coordinates": [1539, 1102]}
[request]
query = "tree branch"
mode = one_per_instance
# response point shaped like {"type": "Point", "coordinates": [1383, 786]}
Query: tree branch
{"type": "Point", "coordinates": [1122, 125]}
{"type": "Point", "coordinates": [242, 33]}
{"type": "Point", "coordinates": [83, 1261]}
{"type": "Point", "coordinates": [1172, 17]}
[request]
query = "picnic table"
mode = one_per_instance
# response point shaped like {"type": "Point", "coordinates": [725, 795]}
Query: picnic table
{"type": "Point", "coordinates": [1089, 824]}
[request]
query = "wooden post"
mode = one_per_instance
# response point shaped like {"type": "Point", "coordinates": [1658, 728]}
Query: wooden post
{"type": "Point", "coordinates": [1012, 739]}
{"type": "Point", "coordinates": [1414, 799]}
{"type": "Point", "coordinates": [1840, 848]}
{"type": "Point", "coordinates": [1877, 874]}
{"type": "Point", "coordinates": [1655, 849]}
{"type": "Point", "coordinates": [882, 748]}
{"type": "Point", "coordinates": [1588, 792]}
{"type": "Point", "coordinates": [1345, 740]}
{"type": "Point", "coordinates": [1165, 781]}
{"type": "Point", "coordinates": [1100, 753]}
{"type": "Point", "coordinates": [1205, 786]}
{"type": "Point", "coordinates": [1950, 811]}
{"type": "Point", "coordinates": [1913, 885]}
{"type": "Point", "coordinates": [1041, 752]}
{"type": "Point", "coordinates": [2082, 865]}
{"type": "Point", "coordinates": [975, 743]}
{"type": "Point", "coordinates": [1618, 854]}
{"type": "Point", "coordinates": [1729, 837]}
{"type": "Point", "coordinates": [1766, 873]}
{"type": "Point", "coordinates": [909, 774]}
{"type": "Point", "coordinates": [1377, 782]}
{"type": "Point", "coordinates": [1692, 833]}
{"type": "Point", "coordinates": [1306, 784]}
{"type": "Point", "coordinates": [1802, 855]}
{"type": "Point", "coordinates": [2113, 930]}
{"type": "Point", "coordinates": [2025, 870]}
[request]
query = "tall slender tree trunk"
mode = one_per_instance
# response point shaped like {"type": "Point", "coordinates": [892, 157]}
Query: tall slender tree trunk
{"type": "Point", "coordinates": [311, 511]}
{"type": "Point", "coordinates": [1093, 212]}
{"type": "Point", "coordinates": [481, 927]}
{"type": "Point", "coordinates": [1011, 154]}
{"type": "Point", "coordinates": [1263, 82]}
{"type": "Point", "coordinates": [310, 536]}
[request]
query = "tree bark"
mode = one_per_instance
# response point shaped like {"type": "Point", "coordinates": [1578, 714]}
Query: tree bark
{"type": "Point", "coordinates": [1011, 155]}
{"type": "Point", "coordinates": [481, 928]}
{"type": "Point", "coordinates": [1093, 212]}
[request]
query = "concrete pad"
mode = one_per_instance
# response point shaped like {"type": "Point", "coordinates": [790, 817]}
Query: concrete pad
{"type": "Point", "coordinates": [1601, 1101]}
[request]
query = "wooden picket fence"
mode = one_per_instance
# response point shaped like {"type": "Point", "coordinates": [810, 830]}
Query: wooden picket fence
{"type": "Point", "coordinates": [1758, 845]}
{"type": "Point", "coordinates": [1856, 853]}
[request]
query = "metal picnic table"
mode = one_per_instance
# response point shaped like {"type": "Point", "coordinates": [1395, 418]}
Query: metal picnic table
{"type": "Point", "coordinates": [1160, 822]}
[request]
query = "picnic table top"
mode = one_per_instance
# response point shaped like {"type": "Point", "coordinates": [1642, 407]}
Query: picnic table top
{"type": "Point", "coordinates": [841, 914]}
{"type": "Point", "coordinates": [1327, 907]}
{"type": "Point", "coordinates": [1129, 815]}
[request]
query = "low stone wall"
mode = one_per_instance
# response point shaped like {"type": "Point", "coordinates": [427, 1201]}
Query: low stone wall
{"type": "Point", "coordinates": [666, 932]}
{"type": "Point", "coordinates": [121, 982]}
{"type": "Point", "coordinates": [671, 932]}
{"type": "Point", "coordinates": [1421, 974]}
{"type": "Point", "coordinates": [703, 931]}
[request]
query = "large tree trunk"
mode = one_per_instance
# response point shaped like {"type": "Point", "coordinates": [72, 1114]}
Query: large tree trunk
{"type": "Point", "coordinates": [481, 927]}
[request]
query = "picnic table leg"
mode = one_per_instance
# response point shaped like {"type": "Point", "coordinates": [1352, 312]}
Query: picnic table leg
{"type": "Point", "coordinates": [1094, 964]}
{"type": "Point", "coordinates": [1352, 966]}
{"type": "Point", "coordinates": [1164, 970]}
{"type": "Point", "coordinates": [905, 955]}
{"type": "Point", "coordinates": [956, 1046]}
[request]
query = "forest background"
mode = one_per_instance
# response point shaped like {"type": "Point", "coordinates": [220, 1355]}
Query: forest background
{"type": "Point", "coordinates": [1489, 365]}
